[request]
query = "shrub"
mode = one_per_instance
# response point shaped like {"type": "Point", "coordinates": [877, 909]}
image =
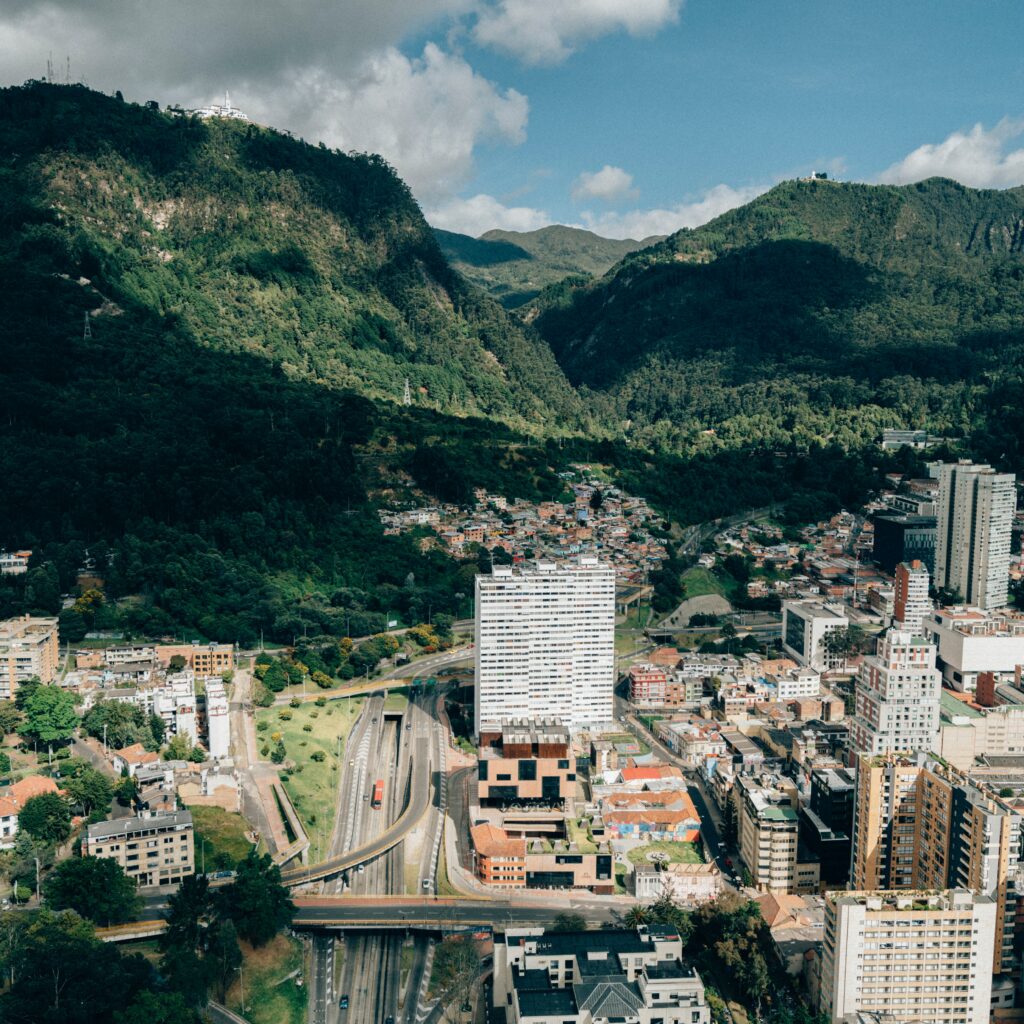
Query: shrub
{"type": "Point", "coordinates": [285, 716]}
{"type": "Point", "coordinates": [321, 701]}
{"type": "Point", "coordinates": [262, 726]}
{"type": "Point", "coordinates": [264, 750]}
{"type": "Point", "coordinates": [307, 728]}
{"type": "Point", "coordinates": [295, 703]}
{"type": "Point", "coordinates": [318, 756]}
{"type": "Point", "coordinates": [275, 737]}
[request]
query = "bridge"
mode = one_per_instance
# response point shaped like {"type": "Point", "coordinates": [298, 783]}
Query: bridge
{"type": "Point", "coordinates": [415, 913]}
{"type": "Point", "coordinates": [417, 805]}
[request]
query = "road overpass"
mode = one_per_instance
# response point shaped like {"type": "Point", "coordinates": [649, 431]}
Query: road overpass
{"type": "Point", "coordinates": [416, 807]}
{"type": "Point", "coordinates": [430, 914]}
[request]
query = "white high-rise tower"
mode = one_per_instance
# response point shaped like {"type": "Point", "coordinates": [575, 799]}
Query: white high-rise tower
{"type": "Point", "coordinates": [545, 643]}
{"type": "Point", "coordinates": [899, 691]}
{"type": "Point", "coordinates": [975, 518]}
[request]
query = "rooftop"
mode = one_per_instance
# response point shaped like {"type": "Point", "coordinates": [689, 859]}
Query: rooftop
{"type": "Point", "coordinates": [123, 827]}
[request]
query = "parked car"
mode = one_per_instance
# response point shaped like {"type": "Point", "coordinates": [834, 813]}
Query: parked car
{"type": "Point", "coordinates": [343, 1002]}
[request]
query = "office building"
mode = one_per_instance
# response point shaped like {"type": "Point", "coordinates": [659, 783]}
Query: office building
{"type": "Point", "coordinates": [903, 538]}
{"type": "Point", "coordinates": [826, 823]}
{"type": "Point", "coordinates": [28, 647]}
{"type": "Point", "coordinates": [805, 624]}
{"type": "Point", "coordinates": [898, 697]}
{"type": "Point", "coordinates": [595, 976]}
{"type": "Point", "coordinates": [545, 644]}
{"type": "Point", "coordinates": [527, 763]}
{"type": "Point", "coordinates": [153, 849]}
{"type": "Point", "coordinates": [921, 824]}
{"type": "Point", "coordinates": [970, 641]}
{"type": "Point", "coordinates": [911, 603]}
{"type": "Point", "coordinates": [769, 836]}
{"type": "Point", "coordinates": [908, 957]}
{"type": "Point", "coordinates": [203, 660]}
{"type": "Point", "coordinates": [975, 518]}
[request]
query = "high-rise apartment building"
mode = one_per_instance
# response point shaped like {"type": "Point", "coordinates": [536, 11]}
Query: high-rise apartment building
{"type": "Point", "coordinates": [908, 957]}
{"type": "Point", "coordinates": [545, 644]}
{"type": "Point", "coordinates": [911, 603]}
{"type": "Point", "coordinates": [805, 624]}
{"type": "Point", "coordinates": [28, 647]}
{"type": "Point", "coordinates": [920, 824]}
{"type": "Point", "coordinates": [898, 695]}
{"type": "Point", "coordinates": [975, 517]}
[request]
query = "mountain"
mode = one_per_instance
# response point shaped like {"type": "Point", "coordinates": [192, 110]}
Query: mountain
{"type": "Point", "coordinates": [514, 266]}
{"type": "Point", "coordinates": [207, 329]}
{"type": "Point", "coordinates": [820, 311]}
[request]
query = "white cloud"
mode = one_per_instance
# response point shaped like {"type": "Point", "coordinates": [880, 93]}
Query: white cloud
{"type": "Point", "coordinates": [426, 116]}
{"type": "Point", "coordinates": [547, 31]}
{"type": "Point", "coordinates": [608, 185]}
{"type": "Point", "coordinates": [643, 223]}
{"type": "Point", "coordinates": [482, 213]}
{"type": "Point", "coordinates": [978, 158]}
{"type": "Point", "coordinates": [326, 72]}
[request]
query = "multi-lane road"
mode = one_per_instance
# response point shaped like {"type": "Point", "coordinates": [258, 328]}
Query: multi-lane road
{"type": "Point", "coordinates": [357, 977]}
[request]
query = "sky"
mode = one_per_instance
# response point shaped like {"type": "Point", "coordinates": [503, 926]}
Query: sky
{"type": "Point", "coordinates": [628, 117]}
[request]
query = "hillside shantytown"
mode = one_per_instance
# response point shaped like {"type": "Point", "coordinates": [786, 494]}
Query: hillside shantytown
{"type": "Point", "coordinates": [510, 514]}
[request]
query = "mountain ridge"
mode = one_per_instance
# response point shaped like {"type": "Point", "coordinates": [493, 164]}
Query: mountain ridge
{"type": "Point", "coordinates": [514, 266]}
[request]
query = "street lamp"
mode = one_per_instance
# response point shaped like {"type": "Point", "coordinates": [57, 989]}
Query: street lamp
{"type": "Point", "coordinates": [241, 985]}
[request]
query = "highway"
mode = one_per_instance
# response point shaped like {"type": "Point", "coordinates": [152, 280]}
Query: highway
{"type": "Point", "coordinates": [366, 860]}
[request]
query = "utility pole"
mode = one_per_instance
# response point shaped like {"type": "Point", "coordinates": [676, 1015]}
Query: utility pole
{"type": "Point", "coordinates": [104, 739]}
{"type": "Point", "coordinates": [407, 394]}
{"type": "Point", "coordinates": [87, 332]}
{"type": "Point", "coordinates": [39, 898]}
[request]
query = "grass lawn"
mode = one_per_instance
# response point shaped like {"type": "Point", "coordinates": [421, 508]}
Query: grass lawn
{"type": "Point", "coordinates": [397, 699]}
{"type": "Point", "coordinates": [220, 838]}
{"type": "Point", "coordinates": [313, 786]}
{"type": "Point", "coordinates": [580, 836]}
{"type": "Point", "coordinates": [700, 581]}
{"type": "Point", "coordinates": [677, 853]}
{"type": "Point", "coordinates": [442, 886]}
{"type": "Point", "coordinates": [268, 999]}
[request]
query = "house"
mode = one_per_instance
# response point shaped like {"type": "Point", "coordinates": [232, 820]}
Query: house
{"type": "Point", "coordinates": [685, 883]}
{"type": "Point", "coordinates": [16, 798]}
{"type": "Point", "coordinates": [131, 758]}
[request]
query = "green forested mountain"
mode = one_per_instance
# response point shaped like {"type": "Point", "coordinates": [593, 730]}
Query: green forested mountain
{"type": "Point", "coordinates": [216, 447]}
{"type": "Point", "coordinates": [818, 311]}
{"type": "Point", "coordinates": [255, 306]}
{"type": "Point", "coordinates": [514, 266]}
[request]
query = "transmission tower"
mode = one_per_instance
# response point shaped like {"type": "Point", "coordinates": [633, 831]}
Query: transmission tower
{"type": "Point", "coordinates": [407, 396]}
{"type": "Point", "coordinates": [87, 332]}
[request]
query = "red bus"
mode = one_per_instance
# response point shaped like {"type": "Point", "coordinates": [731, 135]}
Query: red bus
{"type": "Point", "coordinates": [378, 793]}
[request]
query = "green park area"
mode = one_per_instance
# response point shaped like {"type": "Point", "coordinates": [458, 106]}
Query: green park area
{"type": "Point", "coordinates": [268, 984]}
{"type": "Point", "coordinates": [313, 738]}
{"type": "Point", "coordinates": [220, 838]}
{"type": "Point", "coordinates": [675, 853]}
{"type": "Point", "coordinates": [700, 581]}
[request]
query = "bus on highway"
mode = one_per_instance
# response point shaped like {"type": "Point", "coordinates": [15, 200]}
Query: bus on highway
{"type": "Point", "coordinates": [378, 793]}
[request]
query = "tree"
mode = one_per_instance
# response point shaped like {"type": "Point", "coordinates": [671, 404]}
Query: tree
{"type": "Point", "coordinates": [456, 963]}
{"type": "Point", "coordinates": [25, 691]}
{"type": "Point", "coordinates": [157, 1008]}
{"type": "Point", "coordinates": [126, 790]}
{"type": "Point", "coordinates": [223, 954]}
{"type": "Point", "coordinates": [65, 975]}
{"type": "Point", "coordinates": [596, 499]}
{"type": "Point", "coordinates": [637, 915]}
{"type": "Point", "coordinates": [158, 729]}
{"type": "Point", "coordinates": [10, 717]}
{"type": "Point", "coordinates": [89, 789]}
{"type": "Point", "coordinates": [50, 715]}
{"type": "Point", "coordinates": [179, 749]}
{"type": "Point", "coordinates": [46, 817]}
{"type": "Point", "coordinates": [188, 912]}
{"type": "Point", "coordinates": [176, 663]}
{"type": "Point", "coordinates": [256, 901]}
{"type": "Point", "coordinates": [118, 723]}
{"type": "Point", "coordinates": [279, 753]}
{"type": "Point", "coordinates": [567, 922]}
{"type": "Point", "coordinates": [94, 887]}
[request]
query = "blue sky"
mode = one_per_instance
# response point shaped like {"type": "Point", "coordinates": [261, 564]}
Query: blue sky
{"type": "Point", "coordinates": [629, 116]}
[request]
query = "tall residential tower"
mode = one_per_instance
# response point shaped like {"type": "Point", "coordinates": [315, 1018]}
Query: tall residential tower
{"type": "Point", "coordinates": [975, 517]}
{"type": "Point", "coordinates": [545, 644]}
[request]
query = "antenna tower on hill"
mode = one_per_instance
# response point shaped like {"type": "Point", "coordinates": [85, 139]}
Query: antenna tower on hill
{"type": "Point", "coordinates": [87, 332]}
{"type": "Point", "coordinates": [407, 396]}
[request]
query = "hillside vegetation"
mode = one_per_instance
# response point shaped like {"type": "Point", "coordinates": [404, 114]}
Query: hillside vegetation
{"type": "Point", "coordinates": [514, 266]}
{"type": "Point", "coordinates": [820, 311]}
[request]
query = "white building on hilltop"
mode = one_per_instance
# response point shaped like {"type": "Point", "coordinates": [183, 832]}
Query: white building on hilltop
{"type": "Point", "coordinates": [545, 643]}
{"type": "Point", "coordinates": [899, 692]}
{"type": "Point", "coordinates": [220, 110]}
{"type": "Point", "coordinates": [975, 518]}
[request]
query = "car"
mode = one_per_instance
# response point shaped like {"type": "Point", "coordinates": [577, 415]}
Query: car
{"type": "Point", "coordinates": [343, 1002]}
{"type": "Point", "coordinates": [361, 868]}
{"type": "Point", "coordinates": [408, 726]}
{"type": "Point", "coordinates": [426, 883]}
{"type": "Point", "coordinates": [373, 721]}
{"type": "Point", "coordinates": [389, 1020]}
{"type": "Point", "coordinates": [351, 764]}
{"type": "Point", "coordinates": [366, 796]}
